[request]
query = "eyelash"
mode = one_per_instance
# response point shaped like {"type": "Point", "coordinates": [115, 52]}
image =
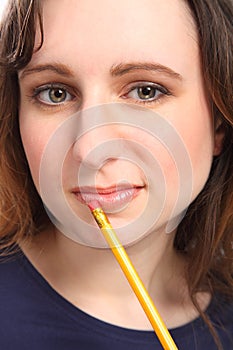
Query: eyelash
{"type": "Point", "coordinates": [157, 90]}
{"type": "Point", "coordinates": [49, 88]}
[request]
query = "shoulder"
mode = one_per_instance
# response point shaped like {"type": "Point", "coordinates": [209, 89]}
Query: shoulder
{"type": "Point", "coordinates": [9, 275]}
{"type": "Point", "coordinates": [220, 313]}
{"type": "Point", "coordinates": [221, 310]}
{"type": "Point", "coordinates": [197, 335]}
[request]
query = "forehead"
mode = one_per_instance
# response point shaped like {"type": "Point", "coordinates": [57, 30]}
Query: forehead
{"type": "Point", "coordinates": [81, 31]}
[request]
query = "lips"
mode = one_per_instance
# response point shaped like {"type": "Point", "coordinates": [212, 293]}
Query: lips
{"type": "Point", "coordinates": [111, 199]}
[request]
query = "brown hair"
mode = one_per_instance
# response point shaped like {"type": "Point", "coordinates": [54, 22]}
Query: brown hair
{"type": "Point", "coordinates": [22, 212]}
{"type": "Point", "coordinates": [205, 235]}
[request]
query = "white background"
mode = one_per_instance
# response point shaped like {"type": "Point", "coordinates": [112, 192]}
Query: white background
{"type": "Point", "coordinates": [2, 6]}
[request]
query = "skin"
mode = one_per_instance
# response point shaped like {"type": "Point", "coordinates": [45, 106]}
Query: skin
{"type": "Point", "coordinates": [79, 44]}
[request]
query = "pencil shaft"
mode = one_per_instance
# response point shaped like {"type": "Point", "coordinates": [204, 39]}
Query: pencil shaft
{"type": "Point", "coordinates": [134, 280]}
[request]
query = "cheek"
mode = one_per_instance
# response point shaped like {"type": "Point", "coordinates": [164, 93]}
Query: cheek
{"type": "Point", "coordinates": [194, 128]}
{"type": "Point", "coordinates": [34, 138]}
{"type": "Point", "coordinates": [198, 140]}
{"type": "Point", "coordinates": [201, 159]}
{"type": "Point", "coordinates": [33, 148]}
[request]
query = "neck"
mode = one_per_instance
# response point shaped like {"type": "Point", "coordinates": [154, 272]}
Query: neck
{"type": "Point", "coordinates": [153, 257]}
{"type": "Point", "coordinates": [91, 278]}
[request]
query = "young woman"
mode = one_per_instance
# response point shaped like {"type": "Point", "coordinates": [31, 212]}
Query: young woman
{"type": "Point", "coordinates": [74, 79]}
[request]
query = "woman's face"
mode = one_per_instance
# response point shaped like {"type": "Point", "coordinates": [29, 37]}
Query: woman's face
{"type": "Point", "coordinates": [139, 53]}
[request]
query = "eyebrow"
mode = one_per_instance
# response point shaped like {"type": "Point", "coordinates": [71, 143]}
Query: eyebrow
{"type": "Point", "coordinates": [58, 68]}
{"type": "Point", "coordinates": [122, 68]}
{"type": "Point", "coordinates": [116, 70]}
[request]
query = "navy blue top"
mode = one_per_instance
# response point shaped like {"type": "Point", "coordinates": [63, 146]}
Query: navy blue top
{"type": "Point", "coordinates": [33, 316]}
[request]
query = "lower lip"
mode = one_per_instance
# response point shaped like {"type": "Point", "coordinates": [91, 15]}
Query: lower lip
{"type": "Point", "coordinates": [110, 202]}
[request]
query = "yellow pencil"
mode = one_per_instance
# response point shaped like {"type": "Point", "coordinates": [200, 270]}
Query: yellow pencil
{"type": "Point", "coordinates": [132, 277]}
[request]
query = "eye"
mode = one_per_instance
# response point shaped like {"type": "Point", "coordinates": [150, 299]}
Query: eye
{"type": "Point", "coordinates": [52, 95]}
{"type": "Point", "coordinates": [147, 92]}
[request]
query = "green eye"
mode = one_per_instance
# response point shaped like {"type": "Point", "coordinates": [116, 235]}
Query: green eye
{"type": "Point", "coordinates": [146, 92]}
{"type": "Point", "coordinates": [57, 95]}
{"type": "Point", "coordinates": [52, 94]}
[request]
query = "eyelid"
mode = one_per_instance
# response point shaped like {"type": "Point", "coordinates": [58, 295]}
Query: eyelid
{"type": "Point", "coordinates": [76, 95]}
{"type": "Point", "coordinates": [49, 86]}
{"type": "Point", "coordinates": [137, 84]}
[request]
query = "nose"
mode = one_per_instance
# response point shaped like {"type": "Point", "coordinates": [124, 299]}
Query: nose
{"type": "Point", "coordinates": [100, 139]}
{"type": "Point", "coordinates": [95, 147]}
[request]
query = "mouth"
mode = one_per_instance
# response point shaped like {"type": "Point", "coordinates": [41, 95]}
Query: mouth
{"type": "Point", "coordinates": [111, 199]}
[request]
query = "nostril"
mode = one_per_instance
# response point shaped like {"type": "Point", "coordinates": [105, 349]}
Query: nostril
{"type": "Point", "coordinates": [94, 154]}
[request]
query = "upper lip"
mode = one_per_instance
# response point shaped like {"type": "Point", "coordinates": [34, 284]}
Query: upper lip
{"type": "Point", "coordinates": [104, 190]}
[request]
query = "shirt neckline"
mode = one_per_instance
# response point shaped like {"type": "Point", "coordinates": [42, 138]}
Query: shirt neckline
{"type": "Point", "coordinates": [83, 319]}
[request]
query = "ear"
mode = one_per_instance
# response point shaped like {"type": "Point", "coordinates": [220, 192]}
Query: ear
{"type": "Point", "coordinates": [219, 134]}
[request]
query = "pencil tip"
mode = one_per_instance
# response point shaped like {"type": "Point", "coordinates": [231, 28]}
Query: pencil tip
{"type": "Point", "coordinates": [93, 205]}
